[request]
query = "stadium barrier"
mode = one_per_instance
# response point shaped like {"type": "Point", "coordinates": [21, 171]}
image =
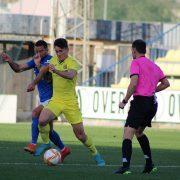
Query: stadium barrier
{"type": "Point", "coordinates": [102, 103]}
{"type": "Point", "coordinates": [8, 108]}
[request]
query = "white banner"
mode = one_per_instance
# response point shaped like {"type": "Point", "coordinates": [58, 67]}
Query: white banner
{"type": "Point", "coordinates": [8, 108]}
{"type": "Point", "coordinates": [102, 103]}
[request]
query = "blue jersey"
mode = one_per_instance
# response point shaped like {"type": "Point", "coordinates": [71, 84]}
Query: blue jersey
{"type": "Point", "coordinates": [45, 85]}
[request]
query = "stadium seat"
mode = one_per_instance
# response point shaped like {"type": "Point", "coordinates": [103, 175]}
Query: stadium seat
{"type": "Point", "coordinates": [123, 84]}
{"type": "Point", "coordinates": [170, 68]}
{"type": "Point", "coordinates": [171, 56]}
{"type": "Point", "coordinates": [174, 84]}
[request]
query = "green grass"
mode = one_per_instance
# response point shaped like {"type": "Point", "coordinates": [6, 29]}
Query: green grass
{"type": "Point", "coordinates": [17, 164]}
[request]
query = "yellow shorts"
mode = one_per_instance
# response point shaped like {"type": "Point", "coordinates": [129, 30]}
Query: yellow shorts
{"type": "Point", "coordinates": [69, 108]}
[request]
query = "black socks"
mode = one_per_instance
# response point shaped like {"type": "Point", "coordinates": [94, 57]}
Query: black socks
{"type": "Point", "coordinates": [144, 143]}
{"type": "Point", "coordinates": [126, 152]}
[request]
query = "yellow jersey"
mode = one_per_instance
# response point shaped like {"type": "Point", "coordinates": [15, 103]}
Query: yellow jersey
{"type": "Point", "coordinates": [64, 89]}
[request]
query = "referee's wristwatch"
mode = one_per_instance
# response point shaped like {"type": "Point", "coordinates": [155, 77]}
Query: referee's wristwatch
{"type": "Point", "coordinates": [124, 101]}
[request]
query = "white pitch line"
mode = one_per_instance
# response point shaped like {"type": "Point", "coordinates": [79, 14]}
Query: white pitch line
{"type": "Point", "coordinates": [91, 165]}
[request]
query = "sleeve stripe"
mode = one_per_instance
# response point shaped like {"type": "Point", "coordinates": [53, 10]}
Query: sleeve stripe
{"type": "Point", "coordinates": [162, 78]}
{"type": "Point", "coordinates": [133, 75]}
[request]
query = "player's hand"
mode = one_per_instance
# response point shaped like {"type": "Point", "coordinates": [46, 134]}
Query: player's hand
{"type": "Point", "coordinates": [52, 67]}
{"type": "Point", "coordinates": [31, 87]}
{"type": "Point", "coordinates": [37, 59]}
{"type": "Point", "coordinates": [5, 57]}
{"type": "Point", "coordinates": [121, 105]}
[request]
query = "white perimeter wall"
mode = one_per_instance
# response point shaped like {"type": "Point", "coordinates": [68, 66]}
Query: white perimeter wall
{"type": "Point", "coordinates": [8, 108]}
{"type": "Point", "coordinates": [102, 103]}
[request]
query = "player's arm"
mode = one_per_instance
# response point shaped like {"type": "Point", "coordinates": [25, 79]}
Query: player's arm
{"type": "Point", "coordinates": [42, 71]}
{"type": "Point", "coordinates": [14, 66]}
{"type": "Point", "coordinates": [130, 91]}
{"type": "Point", "coordinates": [37, 60]}
{"type": "Point", "coordinates": [164, 83]}
{"type": "Point", "coordinates": [69, 74]}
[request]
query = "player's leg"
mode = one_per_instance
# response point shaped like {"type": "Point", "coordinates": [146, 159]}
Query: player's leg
{"type": "Point", "coordinates": [74, 117]}
{"type": "Point", "coordinates": [55, 138]}
{"type": "Point", "coordinates": [79, 132]}
{"type": "Point", "coordinates": [31, 147]}
{"type": "Point", "coordinates": [45, 118]}
{"type": "Point", "coordinates": [145, 146]}
{"type": "Point", "coordinates": [87, 141]}
{"type": "Point", "coordinates": [53, 135]}
{"type": "Point", "coordinates": [49, 113]}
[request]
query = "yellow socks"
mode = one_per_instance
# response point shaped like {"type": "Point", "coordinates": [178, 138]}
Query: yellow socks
{"type": "Point", "coordinates": [44, 131]}
{"type": "Point", "coordinates": [89, 144]}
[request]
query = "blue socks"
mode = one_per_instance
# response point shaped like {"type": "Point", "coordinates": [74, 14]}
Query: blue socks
{"type": "Point", "coordinates": [54, 137]}
{"type": "Point", "coordinates": [34, 130]}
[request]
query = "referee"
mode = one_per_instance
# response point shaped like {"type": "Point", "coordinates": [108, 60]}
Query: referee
{"type": "Point", "coordinates": [146, 79]}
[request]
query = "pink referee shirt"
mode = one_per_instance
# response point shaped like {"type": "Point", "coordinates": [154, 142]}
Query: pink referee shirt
{"type": "Point", "coordinates": [149, 76]}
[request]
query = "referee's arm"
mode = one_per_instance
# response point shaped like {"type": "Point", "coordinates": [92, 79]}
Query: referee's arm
{"type": "Point", "coordinates": [164, 83]}
{"type": "Point", "coordinates": [130, 90]}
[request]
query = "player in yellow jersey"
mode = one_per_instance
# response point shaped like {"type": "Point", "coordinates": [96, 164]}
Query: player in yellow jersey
{"type": "Point", "coordinates": [64, 73]}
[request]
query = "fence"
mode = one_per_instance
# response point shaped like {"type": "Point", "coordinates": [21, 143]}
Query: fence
{"type": "Point", "coordinates": [157, 46]}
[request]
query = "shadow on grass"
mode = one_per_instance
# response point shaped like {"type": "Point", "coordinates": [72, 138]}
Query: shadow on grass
{"type": "Point", "coordinates": [17, 164]}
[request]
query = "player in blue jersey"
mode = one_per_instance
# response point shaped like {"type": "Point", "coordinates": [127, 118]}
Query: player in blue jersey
{"type": "Point", "coordinates": [41, 59]}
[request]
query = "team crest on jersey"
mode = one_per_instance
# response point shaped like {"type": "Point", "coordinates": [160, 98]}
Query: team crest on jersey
{"type": "Point", "coordinates": [48, 61]}
{"type": "Point", "coordinates": [65, 66]}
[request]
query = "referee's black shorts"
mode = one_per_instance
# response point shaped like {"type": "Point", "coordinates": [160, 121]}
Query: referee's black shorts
{"type": "Point", "coordinates": [141, 112]}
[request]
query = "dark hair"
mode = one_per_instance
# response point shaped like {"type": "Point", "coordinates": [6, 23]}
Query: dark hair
{"type": "Point", "coordinates": [140, 46]}
{"type": "Point", "coordinates": [61, 42]}
{"type": "Point", "coordinates": [41, 43]}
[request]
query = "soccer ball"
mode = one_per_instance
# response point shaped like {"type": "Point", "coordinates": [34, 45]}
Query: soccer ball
{"type": "Point", "coordinates": [52, 157]}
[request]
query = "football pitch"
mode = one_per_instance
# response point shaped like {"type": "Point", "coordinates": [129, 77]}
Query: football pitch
{"type": "Point", "coordinates": [17, 164]}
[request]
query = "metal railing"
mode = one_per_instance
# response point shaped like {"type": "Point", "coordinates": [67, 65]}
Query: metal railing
{"type": "Point", "coordinates": [161, 40]}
